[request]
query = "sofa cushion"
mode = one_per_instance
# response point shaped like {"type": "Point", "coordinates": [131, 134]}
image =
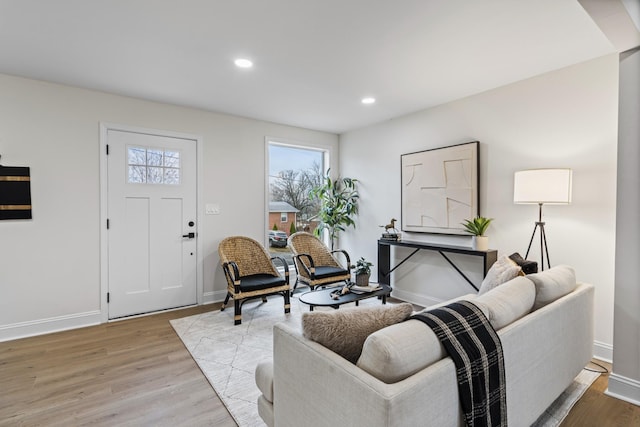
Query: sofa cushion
{"type": "Point", "coordinates": [344, 331]}
{"type": "Point", "coordinates": [503, 270]}
{"type": "Point", "coordinates": [264, 379]}
{"type": "Point", "coordinates": [399, 351]}
{"type": "Point", "coordinates": [508, 302]}
{"type": "Point", "coordinates": [552, 284]}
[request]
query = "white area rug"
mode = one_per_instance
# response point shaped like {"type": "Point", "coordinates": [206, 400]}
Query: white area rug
{"type": "Point", "coordinates": [228, 355]}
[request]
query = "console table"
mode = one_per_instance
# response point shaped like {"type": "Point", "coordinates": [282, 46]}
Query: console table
{"type": "Point", "coordinates": [384, 257]}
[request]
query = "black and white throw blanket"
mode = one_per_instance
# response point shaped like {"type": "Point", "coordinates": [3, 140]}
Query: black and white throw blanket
{"type": "Point", "coordinates": [475, 348]}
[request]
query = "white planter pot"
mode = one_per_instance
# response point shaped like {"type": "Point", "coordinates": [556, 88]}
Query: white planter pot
{"type": "Point", "coordinates": [480, 243]}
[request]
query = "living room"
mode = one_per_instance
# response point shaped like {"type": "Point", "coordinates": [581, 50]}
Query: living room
{"type": "Point", "coordinates": [567, 117]}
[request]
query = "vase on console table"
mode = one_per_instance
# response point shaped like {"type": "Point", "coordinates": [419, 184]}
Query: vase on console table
{"type": "Point", "coordinates": [480, 243]}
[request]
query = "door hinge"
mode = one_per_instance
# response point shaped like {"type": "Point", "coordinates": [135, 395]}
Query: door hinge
{"type": "Point", "coordinates": [107, 149]}
{"type": "Point", "coordinates": [107, 223]}
{"type": "Point", "coordinates": [108, 297]}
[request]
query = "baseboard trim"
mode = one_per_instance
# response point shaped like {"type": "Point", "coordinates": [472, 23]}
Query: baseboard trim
{"type": "Point", "coordinates": [414, 298]}
{"type": "Point", "coordinates": [623, 388]}
{"type": "Point", "coordinates": [603, 351]}
{"type": "Point", "coordinates": [46, 326]}
{"type": "Point", "coordinates": [212, 297]}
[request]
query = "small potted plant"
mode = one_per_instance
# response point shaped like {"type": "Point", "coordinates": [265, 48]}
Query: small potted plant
{"type": "Point", "coordinates": [476, 227]}
{"type": "Point", "coordinates": [363, 272]}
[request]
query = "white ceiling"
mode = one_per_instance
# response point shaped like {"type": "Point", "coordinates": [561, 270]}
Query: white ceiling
{"type": "Point", "coordinates": [314, 59]}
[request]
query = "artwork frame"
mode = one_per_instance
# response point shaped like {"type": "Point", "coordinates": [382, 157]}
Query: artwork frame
{"type": "Point", "coordinates": [440, 188]}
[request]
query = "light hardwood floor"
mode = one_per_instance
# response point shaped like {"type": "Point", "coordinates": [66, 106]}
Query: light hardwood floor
{"type": "Point", "coordinates": [137, 373]}
{"type": "Point", "coordinates": [130, 373]}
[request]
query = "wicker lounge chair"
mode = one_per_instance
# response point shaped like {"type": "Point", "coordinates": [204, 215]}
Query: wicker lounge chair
{"type": "Point", "coordinates": [250, 273]}
{"type": "Point", "coordinates": [315, 264]}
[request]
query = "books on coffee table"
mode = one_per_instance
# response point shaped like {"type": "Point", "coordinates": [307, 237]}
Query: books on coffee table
{"type": "Point", "coordinates": [364, 289]}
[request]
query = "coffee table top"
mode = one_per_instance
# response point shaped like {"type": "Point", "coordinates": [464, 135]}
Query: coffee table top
{"type": "Point", "coordinates": [322, 297]}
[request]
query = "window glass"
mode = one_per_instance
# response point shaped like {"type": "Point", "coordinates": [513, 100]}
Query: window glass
{"type": "Point", "coordinates": [153, 166]}
{"type": "Point", "coordinates": [293, 172]}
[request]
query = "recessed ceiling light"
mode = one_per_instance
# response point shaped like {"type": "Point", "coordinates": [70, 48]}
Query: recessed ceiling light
{"type": "Point", "coordinates": [368, 100]}
{"type": "Point", "coordinates": [243, 63]}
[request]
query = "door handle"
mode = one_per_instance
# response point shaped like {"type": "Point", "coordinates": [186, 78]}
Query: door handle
{"type": "Point", "coordinates": [190, 235]}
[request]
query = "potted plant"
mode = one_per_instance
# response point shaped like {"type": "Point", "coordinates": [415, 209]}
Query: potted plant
{"type": "Point", "coordinates": [477, 227]}
{"type": "Point", "coordinates": [338, 204]}
{"type": "Point", "coordinates": [363, 272]}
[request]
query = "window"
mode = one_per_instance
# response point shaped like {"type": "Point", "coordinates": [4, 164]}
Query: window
{"type": "Point", "coordinates": [146, 165]}
{"type": "Point", "coordinates": [293, 170]}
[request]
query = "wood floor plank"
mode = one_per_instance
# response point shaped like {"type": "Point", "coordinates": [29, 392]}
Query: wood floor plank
{"type": "Point", "coordinates": [137, 372]}
{"type": "Point", "coordinates": [131, 372]}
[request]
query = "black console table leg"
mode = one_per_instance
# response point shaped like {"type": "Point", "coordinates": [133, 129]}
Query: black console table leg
{"type": "Point", "coordinates": [384, 264]}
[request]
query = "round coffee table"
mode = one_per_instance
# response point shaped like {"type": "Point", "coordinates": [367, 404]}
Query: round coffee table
{"type": "Point", "coordinates": [322, 297]}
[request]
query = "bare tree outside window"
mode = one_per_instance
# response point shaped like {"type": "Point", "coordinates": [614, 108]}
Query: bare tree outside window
{"type": "Point", "coordinates": [294, 186]}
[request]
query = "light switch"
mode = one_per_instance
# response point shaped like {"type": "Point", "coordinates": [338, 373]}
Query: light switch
{"type": "Point", "coordinates": [212, 209]}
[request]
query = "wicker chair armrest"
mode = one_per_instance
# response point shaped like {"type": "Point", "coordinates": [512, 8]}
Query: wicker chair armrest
{"type": "Point", "coordinates": [232, 277]}
{"type": "Point", "coordinates": [346, 255]}
{"type": "Point", "coordinates": [311, 270]}
{"type": "Point", "coordinates": [284, 263]}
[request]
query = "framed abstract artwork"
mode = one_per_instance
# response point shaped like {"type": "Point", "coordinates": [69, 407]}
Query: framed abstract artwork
{"type": "Point", "coordinates": [440, 188]}
{"type": "Point", "coordinates": [15, 192]}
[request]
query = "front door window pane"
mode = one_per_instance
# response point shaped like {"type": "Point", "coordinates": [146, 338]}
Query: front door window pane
{"type": "Point", "coordinates": [153, 166]}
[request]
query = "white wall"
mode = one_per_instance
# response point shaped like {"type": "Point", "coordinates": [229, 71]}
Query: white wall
{"type": "Point", "coordinates": [50, 266]}
{"type": "Point", "coordinates": [566, 118]}
{"type": "Point", "coordinates": [624, 382]}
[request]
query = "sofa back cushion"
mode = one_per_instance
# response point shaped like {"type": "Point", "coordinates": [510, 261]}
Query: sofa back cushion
{"type": "Point", "coordinates": [552, 284]}
{"type": "Point", "coordinates": [399, 351]}
{"type": "Point", "coordinates": [508, 302]}
{"type": "Point", "coordinates": [344, 331]}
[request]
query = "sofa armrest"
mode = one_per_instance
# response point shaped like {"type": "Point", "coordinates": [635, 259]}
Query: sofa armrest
{"type": "Point", "coordinates": [313, 386]}
{"type": "Point", "coordinates": [545, 350]}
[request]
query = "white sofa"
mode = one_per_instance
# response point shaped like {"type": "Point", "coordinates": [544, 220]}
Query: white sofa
{"type": "Point", "coordinates": [546, 340]}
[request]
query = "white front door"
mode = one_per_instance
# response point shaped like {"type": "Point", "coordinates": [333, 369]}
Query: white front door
{"type": "Point", "coordinates": [151, 191]}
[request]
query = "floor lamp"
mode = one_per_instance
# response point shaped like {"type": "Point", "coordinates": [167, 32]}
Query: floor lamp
{"type": "Point", "coordinates": [542, 186]}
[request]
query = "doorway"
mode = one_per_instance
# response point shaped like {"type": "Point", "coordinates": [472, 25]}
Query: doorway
{"type": "Point", "coordinates": [151, 221]}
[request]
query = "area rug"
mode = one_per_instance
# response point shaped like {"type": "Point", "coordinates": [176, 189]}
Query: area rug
{"type": "Point", "coordinates": [560, 408]}
{"type": "Point", "coordinates": [228, 356]}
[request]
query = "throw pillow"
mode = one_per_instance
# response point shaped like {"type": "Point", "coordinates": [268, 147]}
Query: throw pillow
{"type": "Point", "coordinates": [508, 302]}
{"type": "Point", "coordinates": [528, 267]}
{"type": "Point", "coordinates": [500, 272]}
{"type": "Point", "coordinates": [552, 284]}
{"type": "Point", "coordinates": [344, 331]}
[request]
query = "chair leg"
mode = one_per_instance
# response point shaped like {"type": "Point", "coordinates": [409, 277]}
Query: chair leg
{"type": "Point", "coordinates": [226, 300]}
{"type": "Point", "coordinates": [237, 317]}
{"type": "Point", "coordinates": [287, 302]}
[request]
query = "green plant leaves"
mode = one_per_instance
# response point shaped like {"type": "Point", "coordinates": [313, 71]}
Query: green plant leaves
{"type": "Point", "coordinates": [339, 202]}
{"type": "Point", "coordinates": [477, 226]}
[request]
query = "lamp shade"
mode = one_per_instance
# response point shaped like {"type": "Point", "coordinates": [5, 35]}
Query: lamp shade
{"type": "Point", "coordinates": [546, 186]}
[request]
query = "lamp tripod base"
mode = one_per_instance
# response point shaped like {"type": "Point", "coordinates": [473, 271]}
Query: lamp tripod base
{"type": "Point", "coordinates": [544, 250]}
